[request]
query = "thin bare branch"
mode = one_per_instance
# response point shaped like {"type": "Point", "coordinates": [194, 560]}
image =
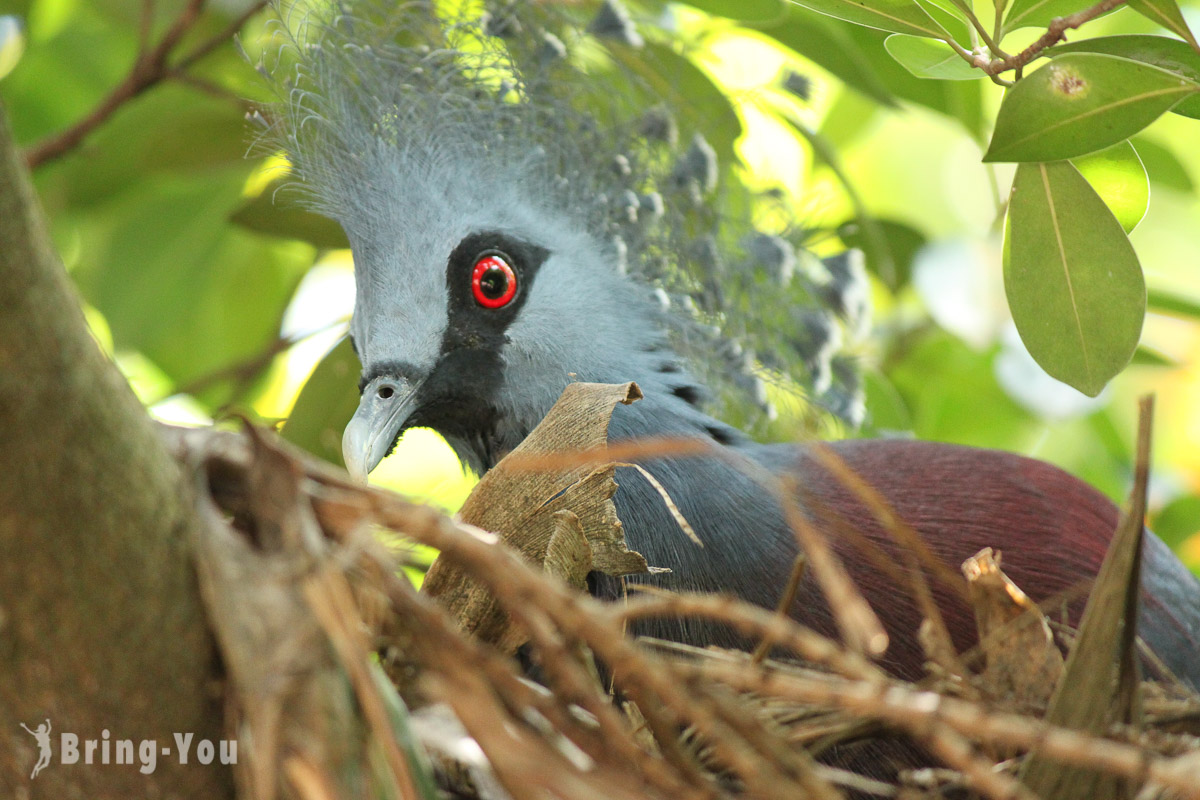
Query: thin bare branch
{"type": "Point", "coordinates": [150, 68]}
{"type": "Point", "coordinates": [1056, 31]}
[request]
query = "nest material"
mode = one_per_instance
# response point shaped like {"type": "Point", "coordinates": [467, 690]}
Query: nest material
{"type": "Point", "coordinates": [292, 571]}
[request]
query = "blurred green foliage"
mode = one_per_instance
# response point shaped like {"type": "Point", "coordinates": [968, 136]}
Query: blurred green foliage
{"type": "Point", "coordinates": [202, 277]}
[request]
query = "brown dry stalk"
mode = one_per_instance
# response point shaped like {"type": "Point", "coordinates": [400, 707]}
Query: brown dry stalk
{"type": "Point", "coordinates": [665, 701]}
{"type": "Point", "coordinates": [443, 648]}
{"type": "Point", "coordinates": [857, 622]}
{"type": "Point", "coordinates": [901, 532]}
{"type": "Point", "coordinates": [751, 620]}
{"type": "Point", "coordinates": [920, 711]}
{"type": "Point", "coordinates": [331, 600]}
{"type": "Point", "coordinates": [981, 774]}
{"type": "Point", "coordinates": [785, 603]}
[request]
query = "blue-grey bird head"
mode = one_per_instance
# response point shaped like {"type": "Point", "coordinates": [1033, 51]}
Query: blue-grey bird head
{"type": "Point", "coordinates": [473, 320]}
{"type": "Point", "coordinates": [508, 237]}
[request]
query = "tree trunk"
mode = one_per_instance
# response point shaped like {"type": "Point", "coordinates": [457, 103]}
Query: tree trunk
{"type": "Point", "coordinates": [101, 623]}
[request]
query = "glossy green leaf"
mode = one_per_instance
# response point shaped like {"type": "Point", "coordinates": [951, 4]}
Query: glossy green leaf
{"type": "Point", "coordinates": [927, 58]}
{"type": "Point", "coordinates": [1119, 178]}
{"type": "Point", "coordinates": [888, 411]}
{"type": "Point", "coordinates": [1167, 14]}
{"type": "Point", "coordinates": [1073, 281]}
{"type": "Point", "coordinates": [1080, 103]}
{"type": "Point", "coordinates": [955, 8]}
{"type": "Point", "coordinates": [752, 11]}
{"type": "Point", "coordinates": [950, 16]}
{"type": "Point", "coordinates": [162, 251]}
{"type": "Point", "coordinates": [897, 16]}
{"type": "Point", "coordinates": [1161, 51]}
{"type": "Point", "coordinates": [971, 409]}
{"type": "Point", "coordinates": [12, 43]}
{"type": "Point", "coordinates": [1039, 13]}
{"type": "Point", "coordinates": [172, 130]}
{"type": "Point", "coordinates": [325, 405]}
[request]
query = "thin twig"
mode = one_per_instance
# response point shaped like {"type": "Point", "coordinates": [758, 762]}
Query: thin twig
{"type": "Point", "coordinates": [149, 69]}
{"type": "Point", "coordinates": [992, 43]}
{"type": "Point", "coordinates": [785, 603]}
{"type": "Point", "coordinates": [225, 35]}
{"type": "Point", "coordinates": [1056, 31]}
{"type": "Point", "coordinates": [243, 371]}
{"type": "Point", "coordinates": [144, 28]}
{"type": "Point", "coordinates": [920, 712]}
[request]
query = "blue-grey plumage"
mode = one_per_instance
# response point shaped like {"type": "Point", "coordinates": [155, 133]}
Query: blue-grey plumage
{"type": "Point", "coordinates": [509, 238]}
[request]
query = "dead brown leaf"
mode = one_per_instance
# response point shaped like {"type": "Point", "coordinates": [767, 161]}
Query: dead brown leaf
{"type": "Point", "coordinates": [1022, 664]}
{"type": "Point", "coordinates": [562, 517]}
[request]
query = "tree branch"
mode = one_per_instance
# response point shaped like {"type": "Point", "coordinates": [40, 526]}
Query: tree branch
{"type": "Point", "coordinates": [150, 68]}
{"type": "Point", "coordinates": [101, 624]}
{"type": "Point", "coordinates": [1055, 32]}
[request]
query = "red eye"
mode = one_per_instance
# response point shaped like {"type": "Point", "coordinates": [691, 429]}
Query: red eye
{"type": "Point", "coordinates": [493, 282]}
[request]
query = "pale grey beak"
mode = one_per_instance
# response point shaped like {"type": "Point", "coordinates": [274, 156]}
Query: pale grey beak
{"type": "Point", "coordinates": [386, 405]}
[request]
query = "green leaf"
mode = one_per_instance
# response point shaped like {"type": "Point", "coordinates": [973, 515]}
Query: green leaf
{"type": "Point", "coordinates": [900, 244]}
{"type": "Point", "coordinates": [1163, 166]}
{"type": "Point", "coordinates": [1164, 301]}
{"type": "Point", "coordinates": [201, 280]}
{"type": "Point", "coordinates": [827, 43]}
{"type": "Point", "coordinates": [1119, 178]}
{"type": "Point", "coordinates": [1148, 357]}
{"type": "Point", "coordinates": [277, 214]}
{"type": "Point", "coordinates": [849, 50]}
{"type": "Point", "coordinates": [956, 9]}
{"type": "Point", "coordinates": [926, 58]}
{"type": "Point", "coordinates": [1073, 281]}
{"type": "Point", "coordinates": [753, 11]}
{"type": "Point", "coordinates": [887, 409]}
{"type": "Point", "coordinates": [970, 409]}
{"type": "Point", "coordinates": [897, 16]}
{"type": "Point", "coordinates": [1179, 520]}
{"type": "Point", "coordinates": [1080, 103]}
{"type": "Point", "coordinates": [1161, 51]}
{"type": "Point", "coordinates": [949, 14]}
{"type": "Point", "coordinates": [1166, 13]}
{"type": "Point", "coordinates": [1040, 13]}
{"type": "Point", "coordinates": [325, 405]}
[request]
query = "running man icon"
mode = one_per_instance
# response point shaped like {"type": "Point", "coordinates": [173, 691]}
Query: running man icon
{"type": "Point", "coordinates": [42, 734]}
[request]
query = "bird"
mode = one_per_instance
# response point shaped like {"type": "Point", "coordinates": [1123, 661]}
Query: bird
{"type": "Point", "coordinates": [525, 210]}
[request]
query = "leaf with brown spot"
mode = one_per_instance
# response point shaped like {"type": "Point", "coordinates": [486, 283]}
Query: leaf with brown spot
{"type": "Point", "coordinates": [1080, 103]}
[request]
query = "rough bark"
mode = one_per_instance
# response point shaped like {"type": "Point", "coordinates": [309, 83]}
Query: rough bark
{"type": "Point", "coordinates": [101, 624]}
